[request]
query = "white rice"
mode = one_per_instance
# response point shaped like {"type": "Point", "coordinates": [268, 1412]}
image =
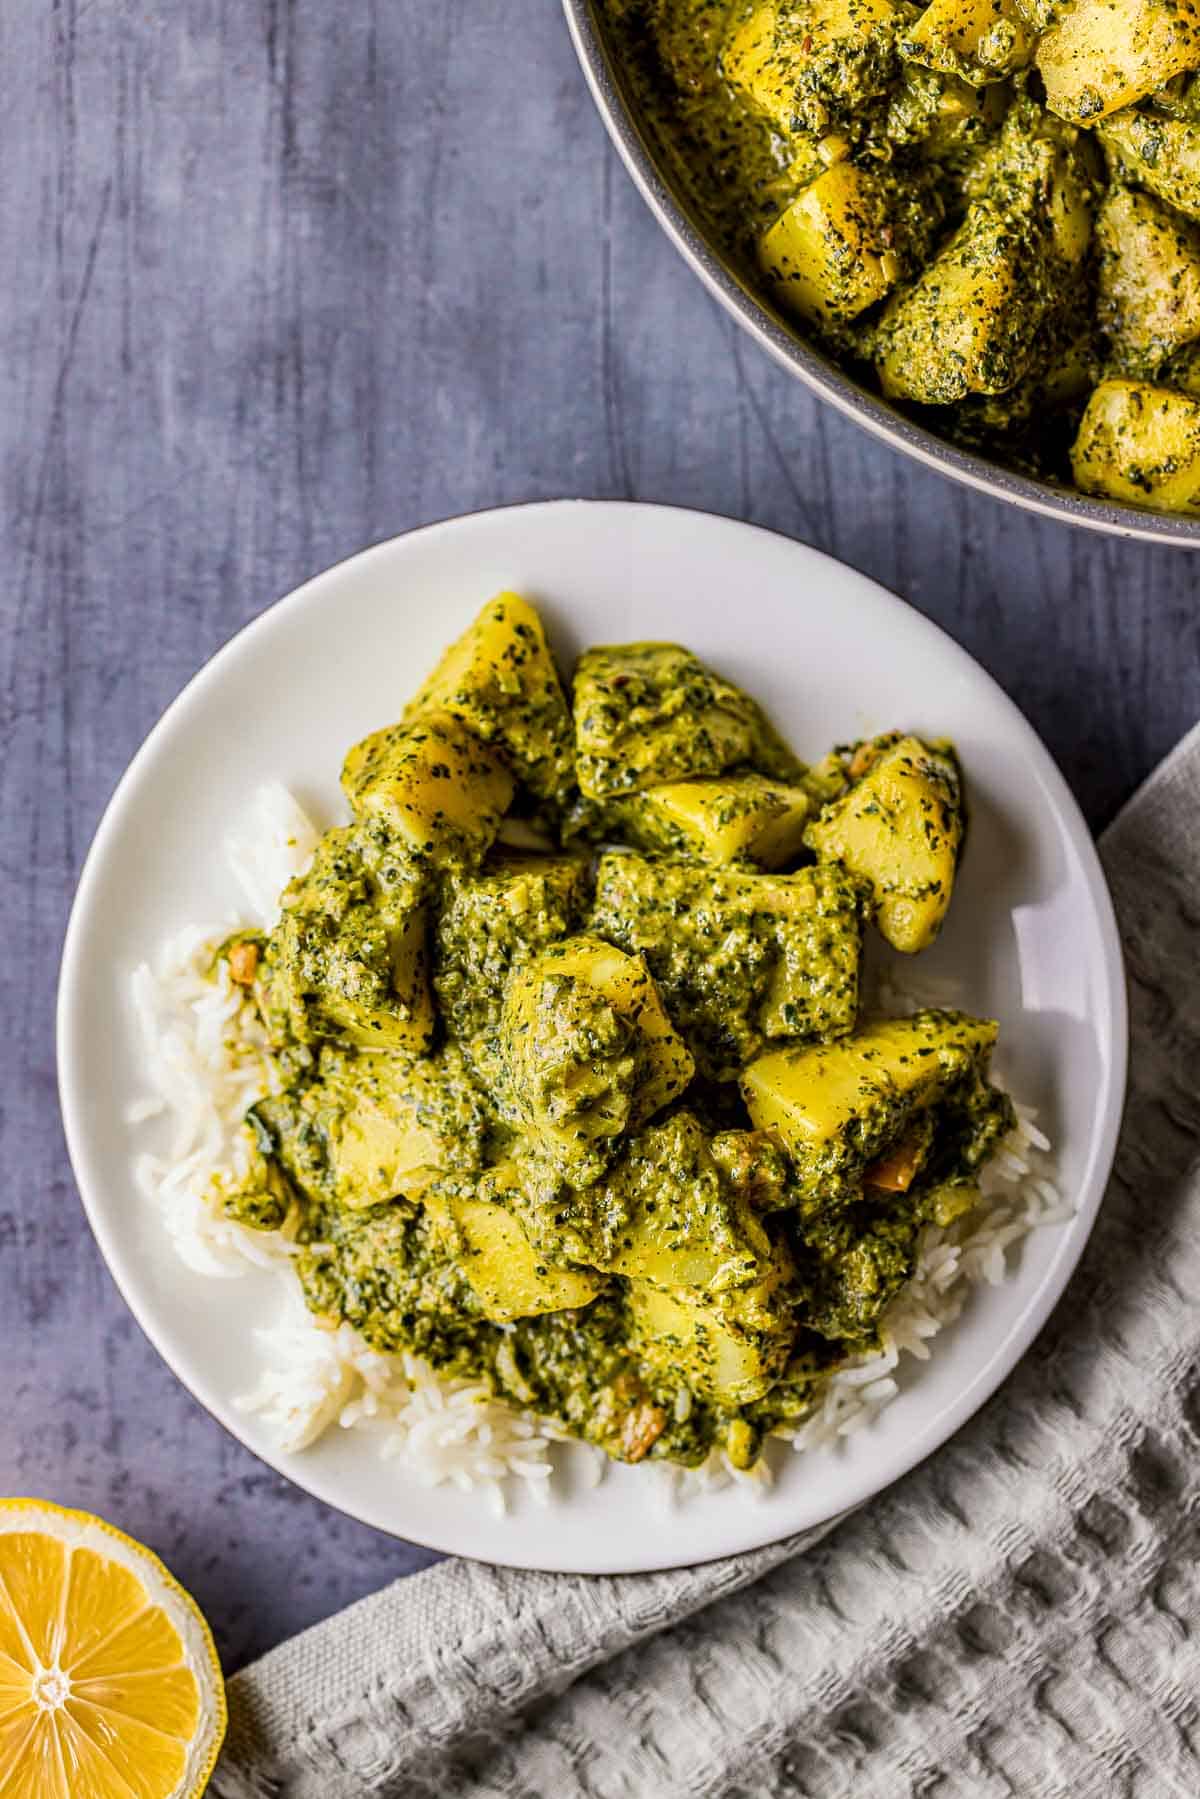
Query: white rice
{"type": "Point", "coordinates": [206, 1059]}
{"type": "Point", "coordinates": [206, 1062]}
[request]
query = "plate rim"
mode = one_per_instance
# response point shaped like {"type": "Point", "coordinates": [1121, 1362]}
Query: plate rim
{"type": "Point", "coordinates": [69, 1055]}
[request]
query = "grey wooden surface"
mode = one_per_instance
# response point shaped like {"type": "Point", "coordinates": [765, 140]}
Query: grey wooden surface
{"type": "Point", "coordinates": [279, 279]}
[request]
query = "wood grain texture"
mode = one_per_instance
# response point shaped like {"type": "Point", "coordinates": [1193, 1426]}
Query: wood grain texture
{"type": "Point", "coordinates": [281, 279]}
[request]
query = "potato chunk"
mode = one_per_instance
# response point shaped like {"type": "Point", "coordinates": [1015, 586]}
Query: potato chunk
{"type": "Point", "coordinates": [960, 329]}
{"type": "Point", "coordinates": [1101, 55]}
{"type": "Point", "coordinates": [499, 679]}
{"type": "Point", "coordinates": [941, 114]}
{"type": "Point", "coordinates": [429, 790]}
{"type": "Point", "coordinates": [741, 818]}
{"type": "Point", "coordinates": [800, 62]}
{"type": "Point", "coordinates": [1141, 444]}
{"type": "Point", "coordinates": [837, 1107]}
{"type": "Point", "coordinates": [371, 1128]}
{"type": "Point", "coordinates": [729, 1348]}
{"type": "Point", "coordinates": [899, 828]}
{"type": "Point", "coordinates": [761, 70]}
{"type": "Point", "coordinates": [1159, 153]}
{"type": "Point", "coordinates": [967, 325]}
{"type": "Point", "coordinates": [508, 1276]}
{"type": "Point", "coordinates": [666, 1211]}
{"type": "Point", "coordinates": [672, 1216]}
{"type": "Point", "coordinates": [652, 712]}
{"type": "Point", "coordinates": [588, 1052]}
{"type": "Point", "coordinates": [490, 923]}
{"type": "Point", "coordinates": [1149, 280]}
{"type": "Point", "coordinates": [738, 957]}
{"type": "Point", "coordinates": [828, 255]}
{"type": "Point", "coordinates": [346, 961]}
{"type": "Point", "coordinates": [973, 320]}
{"type": "Point", "coordinates": [394, 1128]}
{"type": "Point", "coordinates": [978, 40]}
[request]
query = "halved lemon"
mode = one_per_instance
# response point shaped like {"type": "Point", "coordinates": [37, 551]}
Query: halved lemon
{"type": "Point", "coordinates": [110, 1687]}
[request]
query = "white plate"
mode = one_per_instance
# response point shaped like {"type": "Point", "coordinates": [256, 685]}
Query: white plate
{"type": "Point", "coordinates": [832, 656]}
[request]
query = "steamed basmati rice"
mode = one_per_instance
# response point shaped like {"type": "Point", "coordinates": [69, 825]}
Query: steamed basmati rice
{"type": "Point", "coordinates": [206, 1062]}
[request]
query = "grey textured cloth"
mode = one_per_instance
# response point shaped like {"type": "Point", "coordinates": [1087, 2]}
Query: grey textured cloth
{"type": "Point", "coordinates": [1019, 1616]}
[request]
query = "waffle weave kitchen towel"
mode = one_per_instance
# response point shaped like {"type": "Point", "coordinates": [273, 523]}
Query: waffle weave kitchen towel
{"type": "Point", "coordinates": [1018, 1617]}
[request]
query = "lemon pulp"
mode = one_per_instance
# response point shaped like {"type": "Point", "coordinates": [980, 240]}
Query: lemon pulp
{"type": "Point", "coordinates": [109, 1681]}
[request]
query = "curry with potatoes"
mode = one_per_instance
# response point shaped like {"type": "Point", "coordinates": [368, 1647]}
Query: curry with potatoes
{"type": "Point", "coordinates": [989, 210]}
{"type": "Point", "coordinates": [575, 1089]}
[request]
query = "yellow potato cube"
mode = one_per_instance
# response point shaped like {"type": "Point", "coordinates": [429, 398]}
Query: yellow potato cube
{"type": "Point", "coordinates": [666, 1211]}
{"type": "Point", "coordinates": [1149, 279]}
{"type": "Point", "coordinates": [972, 322]}
{"type": "Point", "coordinates": [507, 1275]}
{"type": "Point", "coordinates": [944, 114]}
{"type": "Point", "coordinates": [391, 1125]}
{"type": "Point", "coordinates": [827, 256]}
{"type": "Point", "coordinates": [978, 40]}
{"type": "Point", "coordinates": [812, 1095]}
{"type": "Point", "coordinates": [344, 963]}
{"type": "Point", "coordinates": [485, 925]}
{"type": "Point", "coordinates": [959, 329]}
{"type": "Point", "coordinates": [588, 1050]}
{"type": "Point", "coordinates": [835, 1106]}
{"type": "Point", "coordinates": [760, 72]}
{"type": "Point", "coordinates": [430, 789]}
{"type": "Point", "coordinates": [792, 62]}
{"type": "Point", "coordinates": [1101, 55]}
{"type": "Point", "coordinates": [731, 1347]}
{"type": "Point", "coordinates": [743, 818]}
{"type": "Point", "coordinates": [646, 713]}
{"type": "Point", "coordinates": [1160, 154]}
{"type": "Point", "coordinates": [672, 1216]}
{"type": "Point", "coordinates": [1140, 443]}
{"type": "Point", "coordinates": [499, 678]}
{"type": "Point", "coordinates": [899, 828]}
